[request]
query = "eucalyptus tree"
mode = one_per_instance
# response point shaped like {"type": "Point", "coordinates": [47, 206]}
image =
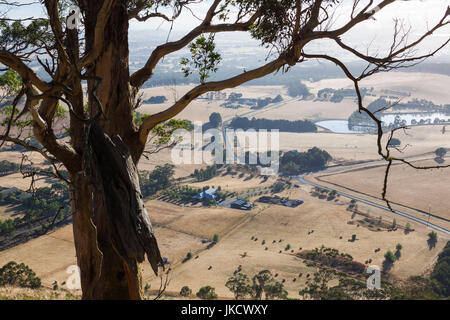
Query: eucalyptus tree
{"type": "Point", "coordinates": [112, 231]}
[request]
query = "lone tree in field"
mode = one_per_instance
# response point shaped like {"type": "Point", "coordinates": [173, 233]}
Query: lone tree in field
{"type": "Point", "coordinates": [185, 291]}
{"type": "Point", "coordinates": [111, 227]}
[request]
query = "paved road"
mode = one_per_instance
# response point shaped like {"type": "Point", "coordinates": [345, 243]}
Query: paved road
{"type": "Point", "coordinates": [373, 204]}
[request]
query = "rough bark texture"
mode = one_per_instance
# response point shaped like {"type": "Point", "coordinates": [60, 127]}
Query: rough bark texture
{"type": "Point", "coordinates": [112, 229]}
{"type": "Point", "coordinates": [116, 180]}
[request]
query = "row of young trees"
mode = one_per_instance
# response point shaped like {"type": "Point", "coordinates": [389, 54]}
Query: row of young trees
{"type": "Point", "coordinates": [281, 125]}
{"type": "Point", "coordinates": [7, 167]}
{"type": "Point", "coordinates": [159, 179]}
{"type": "Point", "coordinates": [205, 174]}
{"type": "Point", "coordinates": [298, 90]}
{"type": "Point", "coordinates": [46, 203]}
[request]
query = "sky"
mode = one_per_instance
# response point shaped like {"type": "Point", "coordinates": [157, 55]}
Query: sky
{"type": "Point", "coordinates": [377, 33]}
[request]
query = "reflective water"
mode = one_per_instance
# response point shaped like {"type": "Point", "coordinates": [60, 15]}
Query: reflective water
{"type": "Point", "coordinates": [341, 126]}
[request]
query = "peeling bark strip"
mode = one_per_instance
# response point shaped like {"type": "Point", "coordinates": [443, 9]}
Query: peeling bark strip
{"type": "Point", "coordinates": [115, 176]}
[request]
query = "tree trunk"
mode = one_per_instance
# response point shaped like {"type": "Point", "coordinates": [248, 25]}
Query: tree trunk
{"type": "Point", "coordinates": [112, 230]}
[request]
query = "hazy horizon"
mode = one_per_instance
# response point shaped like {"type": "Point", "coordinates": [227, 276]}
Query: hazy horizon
{"type": "Point", "coordinates": [377, 35]}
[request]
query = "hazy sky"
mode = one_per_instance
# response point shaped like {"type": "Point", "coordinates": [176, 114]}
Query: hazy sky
{"type": "Point", "coordinates": [415, 13]}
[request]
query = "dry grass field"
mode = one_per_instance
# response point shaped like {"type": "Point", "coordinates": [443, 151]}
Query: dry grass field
{"type": "Point", "coordinates": [199, 110]}
{"type": "Point", "coordinates": [181, 229]}
{"type": "Point", "coordinates": [8, 212]}
{"type": "Point", "coordinates": [427, 86]}
{"type": "Point", "coordinates": [13, 293]}
{"type": "Point", "coordinates": [357, 147]}
{"type": "Point", "coordinates": [416, 188]}
{"type": "Point", "coordinates": [18, 181]}
{"type": "Point", "coordinates": [235, 184]}
{"type": "Point", "coordinates": [313, 111]}
{"type": "Point", "coordinates": [178, 229]}
{"type": "Point", "coordinates": [329, 222]}
{"type": "Point", "coordinates": [14, 156]}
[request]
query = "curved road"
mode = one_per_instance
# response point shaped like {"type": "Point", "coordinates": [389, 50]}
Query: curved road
{"type": "Point", "coordinates": [370, 203]}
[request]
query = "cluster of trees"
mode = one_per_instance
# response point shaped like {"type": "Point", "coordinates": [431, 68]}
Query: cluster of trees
{"type": "Point", "coordinates": [215, 119]}
{"type": "Point", "coordinates": [236, 99]}
{"type": "Point", "coordinates": [282, 125]}
{"type": "Point", "coordinates": [297, 90]}
{"type": "Point", "coordinates": [205, 174]}
{"type": "Point", "coordinates": [261, 103]}
{"type": "Point", "coordinates": [159, 179]}
{"type": "Point", "coordinates": [278, 187]}
{"type": "Point", "coordinates": [440, 276]}
{"type": "Point", "coordinates": [155, 100]}
{"type": "Point", "coordinates": [416, 287]}
{"type": "Point", "coordinates": [186, 194]}
{"type": "Point", "coordinates": [263, 283]}
{"type": "Point", "coordinates": [330, 257]}
{"type": "Point", "coordinates": [185, 291]}
{"type": "Point", "coordinates": [206, 293]}
{"type": "Point", "coordinates": [435, 287]}
{"type": "Point", "coordinates": [337, 96]}
{"type": "Point", "coordinates": [395, 142]}
{"type": "Point", "coordinates": [319, 287]}
{"type": "Point", "coordinates": [420, 105]}
{"type": "Point", "coordinates": [13, 274]}
{"type": "Point", "coordinates": [8, 226]}
{"type": "Point", "coordinates": [328, 194]}
{"type": "Point", "coordinates": [182, 193]}
{"type": "Point", "coordinates": [358, 118]}
{"type": "Point", "coordinates": [234, 96]}
{"type": "Point", "coordinates": [7, 167]}
{"type": "Point", "coordinates": [390, 257]}
{"type": "Point", "coordinates": [295, 163]}
{"type": "Point", "coordinates": [330, 284]}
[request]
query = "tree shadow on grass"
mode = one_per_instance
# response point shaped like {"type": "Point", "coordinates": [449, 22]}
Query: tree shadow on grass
{"type": "Point", "coordinates": [431, 243]}
{"type": "Point", "coordinates": [387, 266]}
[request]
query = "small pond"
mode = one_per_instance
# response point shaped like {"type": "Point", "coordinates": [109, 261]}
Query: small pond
{"type": "Point", "coordinates": [406, 119]}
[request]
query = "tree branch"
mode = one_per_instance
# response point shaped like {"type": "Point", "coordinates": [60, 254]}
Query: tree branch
{"type": "Point", "coordinates": [150, 122]}
{"type": "Point", "coordinates": [142, 75]}
{"type": "Point", "coordinates": [102, 19]}
{"type": "Point", "coordinates": [27, 74]}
